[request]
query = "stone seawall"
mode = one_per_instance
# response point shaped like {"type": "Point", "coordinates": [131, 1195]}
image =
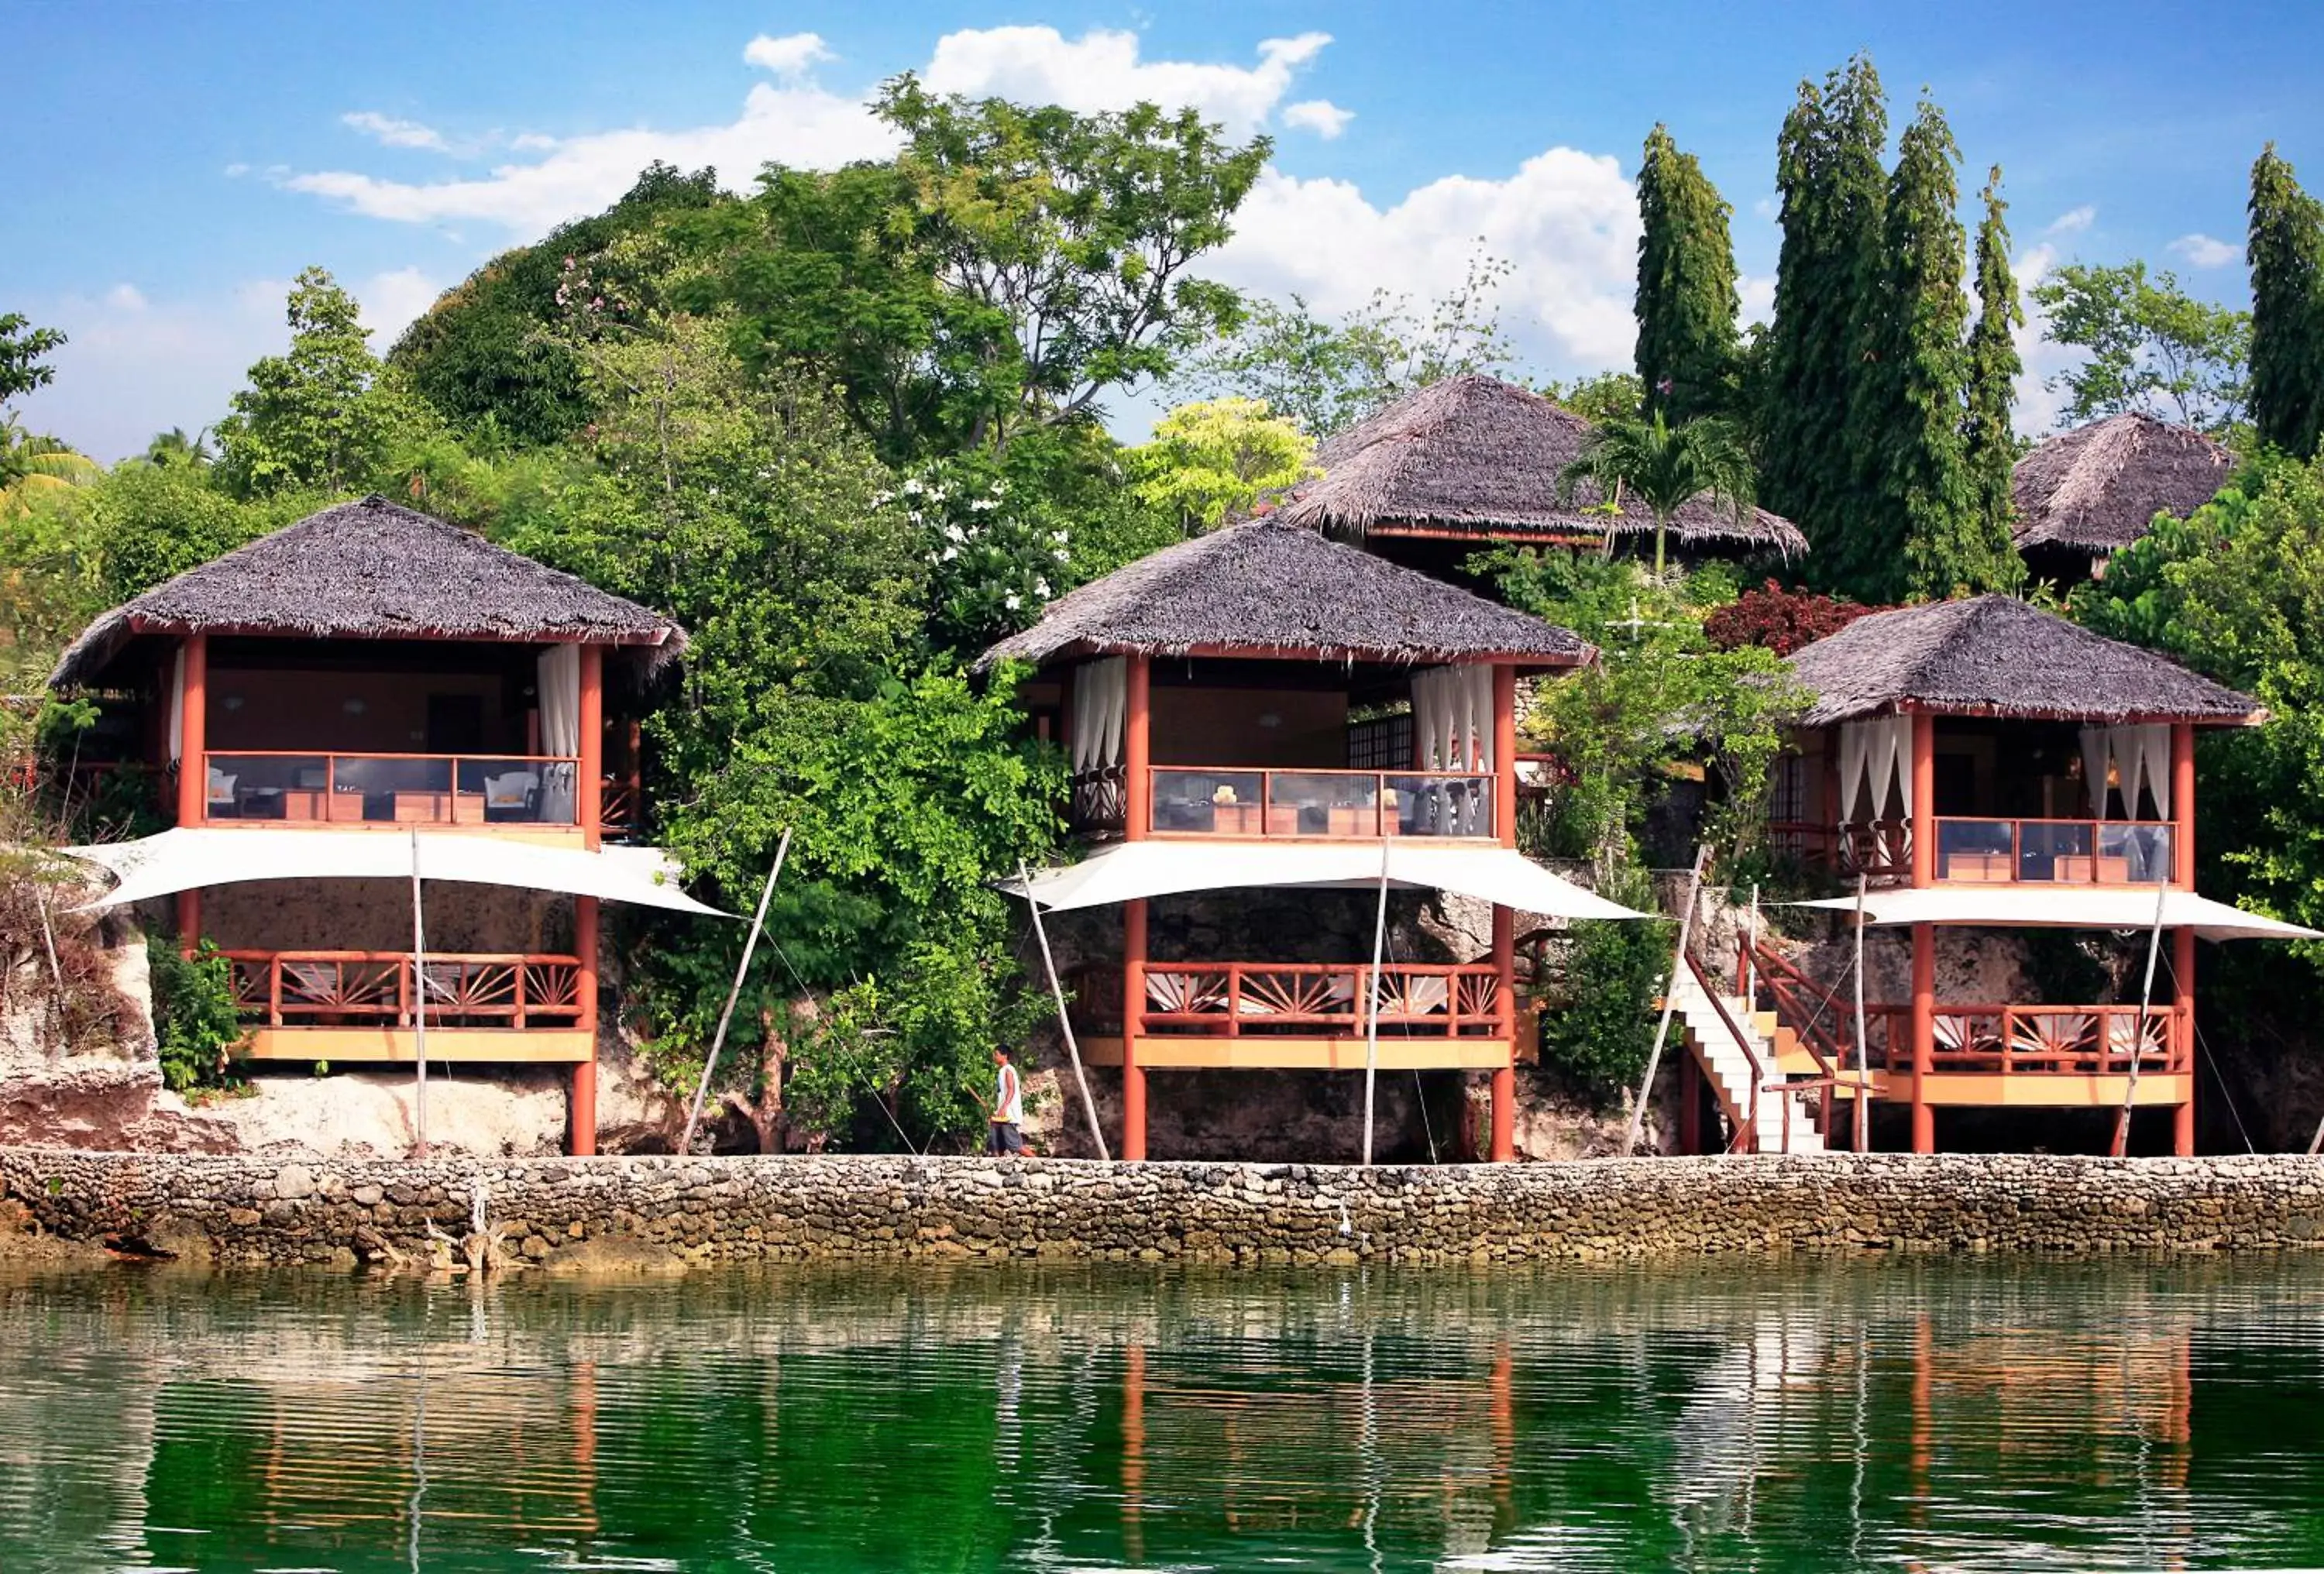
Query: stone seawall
{"type": "Point", "coordinates": [643, 1211]}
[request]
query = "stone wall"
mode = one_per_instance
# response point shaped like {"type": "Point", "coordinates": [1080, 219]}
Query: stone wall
{"type": "Point", "coordinates": [639, 1212]}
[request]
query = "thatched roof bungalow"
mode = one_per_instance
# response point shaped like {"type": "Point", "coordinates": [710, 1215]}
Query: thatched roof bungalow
{"type": "Point", "coordinates": [2086, 494]}
{"type": "Point", "coordinates": [372, 569]}
{"type": "Point", "coordinates": [1473, 458]}
{"type": "Point", "coordinates": [1996, 656]}
{"type": "Point", "coordinates": [1269, 588]}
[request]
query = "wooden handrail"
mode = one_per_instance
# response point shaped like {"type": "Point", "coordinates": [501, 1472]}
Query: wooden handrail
{"type": "Point", "coordinates": [384, 985]}
{"type": "Point", "coordinates": [1376, 818]}
{"type": "Point", "coordinates": [331, 760]}
{"type": "Point", "coordinates": [509, 757]}
{"type": "Point", "coordinates": [1228, 995]}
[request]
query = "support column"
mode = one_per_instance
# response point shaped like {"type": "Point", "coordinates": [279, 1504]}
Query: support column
{"type": "Point", "coordinates": [1504, 753]}
{"type": "Point", "coordinates": [1924, 1033]}
{"type": "Point", "coordinates": [1505, 1077]}
{"type": "Point", "coordinates": [2182, 1012]}
{"type": "Point", "coordinates": [2182, 805]}
{"type": "Point", "coordinates": [193, 734]}
{"type": "Point", "coordinates": [1925, 794]}
{"type": "Point", "coordinates": [584, 1107]}
{"type": "Point", "coordinates": [190, 921]}
{"type": "Point", "coordinates": [589, 793]}
{"type": "Point", "coordinates": [1138, 819]}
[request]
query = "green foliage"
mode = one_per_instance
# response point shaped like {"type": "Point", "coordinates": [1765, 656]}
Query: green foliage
{"type": "Point", "coordinates": [1686, 304]}
{"type": "Point", "coordinates": [1603, 1028]}
{"type": "Point", "coordinates": [1217, 458]}
{"type": "Point", "coordinates": [1827, 275]}
{"type": "Point", "coordinates": [319, 418]}
{"type": "Point", "coordinates": [195, 1023]}
{"type": "Point", "coordinates": [24, 351]}
{"type": "Point", "coordinates": [1988, 441]}
{"type": "Point", "coordinates": [1328, 375]}
{"type": "Point", "coordinates": [993, 563]}
{"type": "Point", "coordinates": [1064, 242]}
{"type": "Point", "coordinates": [1664, 466]}
{"type": "Point", "coordinates": [1604, 396]}
{"type": "Point", "coordinates": [2147, 346]}
{"type": "Point", "coordinates": [2286, 253]}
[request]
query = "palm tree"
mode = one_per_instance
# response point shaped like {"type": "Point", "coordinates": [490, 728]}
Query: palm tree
{"type": "Point", "coordinates": [31, 464]}
{"type": "Point", "coordinates": [1665, 467]}
{"type": "Point", "coordinates": [175, 447]}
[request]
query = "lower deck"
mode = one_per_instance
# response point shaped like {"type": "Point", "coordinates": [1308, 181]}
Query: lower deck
{"type": "Point", "coordinates": [1295, 1053]}
{"type": "Point", "coordinates": [401, 1045]}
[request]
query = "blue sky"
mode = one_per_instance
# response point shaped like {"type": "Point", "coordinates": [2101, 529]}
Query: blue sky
{"type": "Point", "coordinates": [173, 166]}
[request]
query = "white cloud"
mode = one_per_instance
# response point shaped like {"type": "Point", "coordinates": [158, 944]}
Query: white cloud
{"type": "Point", "coordinates": [1320, 115]}
{"type": "Point", "coordinates": [1102, 70]}
{"type": "Point", "coordinates": [1567, 221]}
{"type": "Point", "coordinates": [2202, 251]}
{"type": "Point", "coordinates": [235, 171]}
{"type": "Point", "coordinates": [125, 298]}
{"type": "Point", "coordinates": [791, 58]}
{"type": "Point", "coordinates": [2073, 221]}
{"type": "Point", "coordinates": [391, 133]}
{"type": "Point", "coordinates": [390, 300]}
{"type": "Point", "coordinates": [2038, 408]}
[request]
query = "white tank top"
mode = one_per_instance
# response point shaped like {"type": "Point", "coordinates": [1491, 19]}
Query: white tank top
{"type": "Point", "coordinates": [1009, 1104]}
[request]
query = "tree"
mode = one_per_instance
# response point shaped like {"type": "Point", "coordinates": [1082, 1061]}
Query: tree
{"type": "Point", "coordinates": [1916, 525]}
{"type": "Point", "coordinates": [31, 463]}
{"type": "Point", "coordinates": [1686, 304]}
{"type": "Point", "coordinates": [1067, 240]}
{"type": "Point", "coordinates": [1606, 396]}
{"type": "Point", "coordinates": [2147, 345]}
{"type": "Point", "coordinates": [1218, 456]}
{"type": "Point", "coordinates": [178, 447]}
{"type": "Point", "coordinates": [317, 418]}
{"type": "Point", "coordinates": [1327, 376]}
{"type": "Point", "coordinates": [1829, 179]}
{"type": "Point", "coordinates": [24, 353]}
{"type": "Point", "coordinates": [2286, 254]}
{"type": "Point", "coordinates": [1665, 467]}
{"type": "Point", "coordinates": [1988, 441]}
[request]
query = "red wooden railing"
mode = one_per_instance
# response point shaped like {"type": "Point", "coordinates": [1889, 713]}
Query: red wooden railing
{"type": "Point", "coordinates": [334, 787]}
{"type": "Point", "coordinates": [1233, 1000]}
{"type": "Point", "coordinates": [373, 989]}
{"type": "Point", "coordinates": [1251, 801]}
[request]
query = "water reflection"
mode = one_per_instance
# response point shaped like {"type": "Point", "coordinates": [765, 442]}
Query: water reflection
{"type": "Point", "coordinates": [1903, 1415]}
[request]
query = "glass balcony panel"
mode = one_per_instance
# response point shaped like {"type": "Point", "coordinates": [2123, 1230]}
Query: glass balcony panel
{"type": "Point", "coordinates": [1975, 849]}
{"type": "Point", "coordinates": [2133, 854]}
{"type": "Point", "coordinates": [2057, 850]}
{"type": "Point", "coordinates": [1208, 803]}
{"type": "Point", "coordinates": [1441, 805]}
{"type": "Point", "coordinates": [1323, 804]}
{"type": "Point", "coordinates": [267, 787]}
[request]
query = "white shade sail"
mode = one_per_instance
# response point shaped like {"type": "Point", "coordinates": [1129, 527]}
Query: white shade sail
{"type": "Point", "coordinates": [2066, 908]}
{"type": "Point", "coordinates": [1127, 871]}
{"type": "Point", "coordinates": [196, 858]}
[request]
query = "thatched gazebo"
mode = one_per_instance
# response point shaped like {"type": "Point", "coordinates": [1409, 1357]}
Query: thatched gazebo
{"type": "Point", "coordinates": [1474, 459]}
{"type": "Point", "coordinates": [2084, 495]}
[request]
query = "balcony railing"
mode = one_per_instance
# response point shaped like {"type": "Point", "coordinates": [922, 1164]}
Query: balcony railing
{"type": "Point", "coordinates": [2106, 853]}
{"type": "Point", "coordinates": [1192, 801]}
{"type": "Point", "coordinates": [2033, 1040]}
{"type": "Point", "coordinates": [392, 789]}
{"type": "Point", "coordinates": [373, 989]}
{"type": "Point", "coordinates": [1236, 999]}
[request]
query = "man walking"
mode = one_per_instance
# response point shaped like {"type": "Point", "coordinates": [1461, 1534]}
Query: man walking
{"type": "Point", "coordinates": [1007, 1109]}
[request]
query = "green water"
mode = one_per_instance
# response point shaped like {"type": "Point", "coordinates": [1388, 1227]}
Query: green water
{"type": "Point", "coordinates": [1974, 1416]}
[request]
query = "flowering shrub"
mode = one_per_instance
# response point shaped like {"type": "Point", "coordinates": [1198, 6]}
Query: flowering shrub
{"type": "Point", "coordinates": [1780, 620]}
{"type": "Point", "coordinates": [992, 565]}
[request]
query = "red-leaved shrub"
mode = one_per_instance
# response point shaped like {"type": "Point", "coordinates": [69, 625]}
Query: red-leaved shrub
{"type": "Point", "coordinates": [1781, 620]}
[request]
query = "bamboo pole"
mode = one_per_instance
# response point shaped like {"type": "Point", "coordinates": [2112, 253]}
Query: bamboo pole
{"type": "Point", "coordinates": [2138, 1039]}
{"type": "Point", "coordinates": [1861, 1121]}
{"type": "Point", "coordinates": [1670, 1001]}
{"type": "Point", "coordinates": [418, 1009]}
{"type": "Point", "coordinates": [741, 969]}
{"type": "Point", "coordinates": [1057, 993]}
{"type": "Point", "coordinates": [1371, 1016]}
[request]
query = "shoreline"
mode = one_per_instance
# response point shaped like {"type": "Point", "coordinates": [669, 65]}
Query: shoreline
{"type": "Point", "coordinates": [650, 1214]}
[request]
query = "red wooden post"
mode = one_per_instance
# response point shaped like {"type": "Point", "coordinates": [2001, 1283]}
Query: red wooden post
{"type": "Point", "coordinates": [2182, 1012]}
{"type": "Point", "coordinates": [1925, 793]}
{"type": "Point", "coordinates": [1924, 1031]}
{"type": "Point", "coordinates": [1505, 1076]}
{"type": "Point", "coordinates": [585, 1073]}
{"type": "Point", "coordinates": [1138, 821]}
{"type": "Point", "coordinates": [193, 734]}
{"type": "Point", "coordinates": [1504, 753]}
{"type": "Point", "coordinates": [590, 795]}
{"type": "Point", "coordinates": [2182, 805]}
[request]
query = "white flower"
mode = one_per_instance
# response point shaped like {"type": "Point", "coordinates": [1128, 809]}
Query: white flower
{"type": "Point", "coordinates": [948, 553]}
{"type": "Point", "coordinates": [1058, 537]}
{"type": "Point", "coordinates": [1012, 601]}
{"type": "Point", "coordinates": [912, 487]}
{"type": "Point", "coordinates": [983, 504]}
{"type": "Point", "coordinates": [954, 533]}
{"type": "Point", "coordinates": [1062, 556]}
{"type": "Point", "coordinates": [1041, 588]}
{"type": "Point", "coordinates": [878, 498]}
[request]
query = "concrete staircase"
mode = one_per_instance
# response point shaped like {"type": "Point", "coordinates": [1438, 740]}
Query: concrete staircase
{"type": "Point", "coordinates": [1713, 1043]}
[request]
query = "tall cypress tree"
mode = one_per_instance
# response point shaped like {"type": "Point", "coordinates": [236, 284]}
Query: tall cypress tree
{"type": "Point", "coordinates": [1991, 448]}
{"type": "Point", "coordinates": [1914, 524]}
{"type": "Point", "coordinates": [2286, 253]}
{"type": "Point", "coordinates": [1832, 187]}
{"type": "Point", "coordinates": [1686, 303]}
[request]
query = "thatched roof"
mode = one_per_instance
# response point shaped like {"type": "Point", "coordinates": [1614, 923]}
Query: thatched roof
{"type": "Point", "coordinates": [2099, 487]}
{"type": "Point", "coordinates": [1997, 656]}
{"type": "Point", "coordinates": [1269, 586]}
{"type": "Point", "coordinates": [1475, 454]}
{"type": "Point", "coordinates": [373, 570]}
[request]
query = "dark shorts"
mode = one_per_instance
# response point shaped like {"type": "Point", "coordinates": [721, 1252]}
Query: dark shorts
{"type": "Point", "coordinates": [1001, 1136]}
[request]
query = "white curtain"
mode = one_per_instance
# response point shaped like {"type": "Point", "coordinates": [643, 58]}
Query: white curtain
{"type": "Point", "coordinates": [1452, 717]}
{"type": "Point", "coordinates": [559, 693]}
{"type": "Point", "coordinates": [1100, 707]}
{"type": "Point", "coordinates": [2132, 758]}
{"type": "Point", "coordinates": [178, 708]}
{"type": "Point", "coordinates": [1875, 755]}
